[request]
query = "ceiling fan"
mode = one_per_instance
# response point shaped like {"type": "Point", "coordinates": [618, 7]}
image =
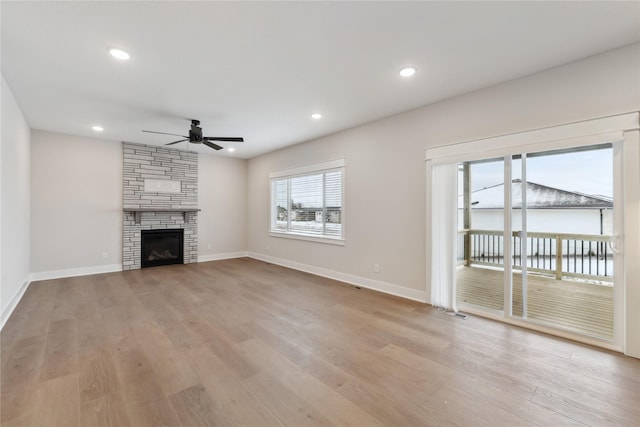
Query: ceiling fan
{"type": "Point", "coordinates": [195, 137]}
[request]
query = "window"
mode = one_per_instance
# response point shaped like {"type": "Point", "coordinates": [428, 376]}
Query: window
{"type": "Point", "coordinates": [307, 202]}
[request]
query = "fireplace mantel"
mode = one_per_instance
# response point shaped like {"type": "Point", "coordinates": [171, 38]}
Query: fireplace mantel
{"type": "Point", "coordinates": [139, 211]}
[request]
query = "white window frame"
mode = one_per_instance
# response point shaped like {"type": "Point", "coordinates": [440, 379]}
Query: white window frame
{"type": "Point", "coordinates": [314, 169]}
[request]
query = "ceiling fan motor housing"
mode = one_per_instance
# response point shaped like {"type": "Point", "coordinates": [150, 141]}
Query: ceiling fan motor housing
{"type": "Point", "coordinates": [195, 134]}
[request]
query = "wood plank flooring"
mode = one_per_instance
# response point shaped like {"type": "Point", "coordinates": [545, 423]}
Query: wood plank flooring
{"type": "Point", "coordinates": [245, 343]}
{"type": "Point", "coordinates": [573, 305]}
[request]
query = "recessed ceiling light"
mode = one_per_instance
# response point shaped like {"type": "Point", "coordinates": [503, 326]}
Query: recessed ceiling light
{"type": "Point", "coordinates": [97, 128]}
{"type": "Point", "coordinates": [316, 116]}
{"type": "Point", "coordinates": [407, 71]}
{"type": "Point", "coordinates": [231, 149]}
{"type": "Point", "coordinates": [119, 54]}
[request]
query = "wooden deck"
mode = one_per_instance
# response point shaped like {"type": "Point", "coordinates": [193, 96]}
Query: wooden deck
{"type": "Point", "coordinates": [573, 305]}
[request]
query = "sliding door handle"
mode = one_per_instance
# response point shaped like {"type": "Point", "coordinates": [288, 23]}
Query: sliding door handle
{"type": "Point", "coordinates": [614, 244]}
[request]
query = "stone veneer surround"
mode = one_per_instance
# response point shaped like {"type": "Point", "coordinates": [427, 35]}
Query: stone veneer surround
{"type": "Point", "coordinates": [161, 210]}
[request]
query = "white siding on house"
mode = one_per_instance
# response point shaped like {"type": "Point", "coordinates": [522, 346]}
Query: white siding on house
{"type": "Point", "coordinates": [571, 221]}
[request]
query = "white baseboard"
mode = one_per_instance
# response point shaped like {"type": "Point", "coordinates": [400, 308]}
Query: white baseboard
{"type": "Point", "coordinates": [218, 257]}
{"type": "Point", "coordinates": [72, 272]}
{"type": "Point", "coordinates": [13, 303]}
{"type": "Point", "coordinates": [98, 269]}
{"type": "Point", "coordinates": [388, 288]}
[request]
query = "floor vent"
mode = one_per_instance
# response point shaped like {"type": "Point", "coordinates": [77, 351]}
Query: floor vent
{"type": "Point", "coordinates": [456, 314]}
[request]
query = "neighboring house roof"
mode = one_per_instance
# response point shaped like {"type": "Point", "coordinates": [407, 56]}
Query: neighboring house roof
{"type": "Point", "coordinates": [538, 197]}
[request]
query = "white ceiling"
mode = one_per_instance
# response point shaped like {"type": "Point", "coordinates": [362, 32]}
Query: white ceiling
{"type": "Point", "coordinates": [258, 70]}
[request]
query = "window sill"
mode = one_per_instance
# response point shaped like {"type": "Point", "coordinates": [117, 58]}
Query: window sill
{"type": "Point", "coordinates": [328, 240]}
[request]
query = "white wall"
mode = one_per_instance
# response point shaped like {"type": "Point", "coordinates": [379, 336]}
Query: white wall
{"type": "Point", "coordinates": [222, 196]}
{"type": "Point", "coordinates": [14, 202]}
{"type": "Point", "coordinates": [385, 172]}
{"type": "Point", "coordinates": [76, 199]}
{"type": "Point", "coordinates": [377, 231]}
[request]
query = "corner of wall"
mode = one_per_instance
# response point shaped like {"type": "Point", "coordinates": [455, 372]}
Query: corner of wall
{"type": "Point", "coordinates": [12, 304]}
{"type": "Point", "coordinates": [15, 167]}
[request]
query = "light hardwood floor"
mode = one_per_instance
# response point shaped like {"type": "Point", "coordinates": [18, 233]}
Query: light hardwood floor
{"type": "Point", "coordinates": [242, 342]}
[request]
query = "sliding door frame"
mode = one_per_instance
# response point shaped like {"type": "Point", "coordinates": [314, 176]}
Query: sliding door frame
{"type": "Point", "coordinates": [623, 128]}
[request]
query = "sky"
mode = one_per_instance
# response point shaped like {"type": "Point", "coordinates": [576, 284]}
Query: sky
{"type": "Point", "coordinates": [589, 172]}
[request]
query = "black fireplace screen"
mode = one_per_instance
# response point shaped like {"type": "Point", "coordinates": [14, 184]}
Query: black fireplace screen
{"type": "Point", "coordinates": [162, 247]}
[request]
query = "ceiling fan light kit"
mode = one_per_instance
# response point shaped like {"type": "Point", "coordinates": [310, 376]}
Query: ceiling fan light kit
{"type": "Point", "coordinates": [195, 137]}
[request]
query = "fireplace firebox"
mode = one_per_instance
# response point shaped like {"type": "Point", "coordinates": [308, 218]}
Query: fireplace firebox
{"type": "Point", "coordinates": [162, 247]}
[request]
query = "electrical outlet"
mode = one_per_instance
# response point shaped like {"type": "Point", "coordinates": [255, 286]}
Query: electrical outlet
{"type": "Point", "coordinates": [105, 255]}
{"type": "Point", "coordinates": [209, 246]}
{"type": "Point", "coordinates": [376, 268]}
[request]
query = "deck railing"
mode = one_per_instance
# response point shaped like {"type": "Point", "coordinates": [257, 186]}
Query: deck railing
{"type": "Point", "coordinates": [561, 254]}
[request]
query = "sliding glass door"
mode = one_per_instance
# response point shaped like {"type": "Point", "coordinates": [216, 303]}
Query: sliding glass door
{"type": "Point", "coordinates": [540, 229]}
{"type": "Point", "coordinates": [563, 223]}
{"type": "Point", "coordinates": [480, 234]}
{"type": "Point", "coordinates": [535, 236]}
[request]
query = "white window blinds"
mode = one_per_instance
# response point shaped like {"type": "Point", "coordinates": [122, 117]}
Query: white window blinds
{"type": "Point", "coordinates": [308, 203]}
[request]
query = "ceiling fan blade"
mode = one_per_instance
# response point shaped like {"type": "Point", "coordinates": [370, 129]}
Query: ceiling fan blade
{"type": "Point", "coordinates": [175, 142]}
{"type": "Point", "coordinates": [223, 138]}
{"type": "Point", "coordinates": [211, 144]}
{"type": "Point", "coordinates": [164, 133]}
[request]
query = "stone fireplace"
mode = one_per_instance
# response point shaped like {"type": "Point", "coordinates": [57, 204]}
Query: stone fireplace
{"type": "Point", "coordinates": [160, 192]}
